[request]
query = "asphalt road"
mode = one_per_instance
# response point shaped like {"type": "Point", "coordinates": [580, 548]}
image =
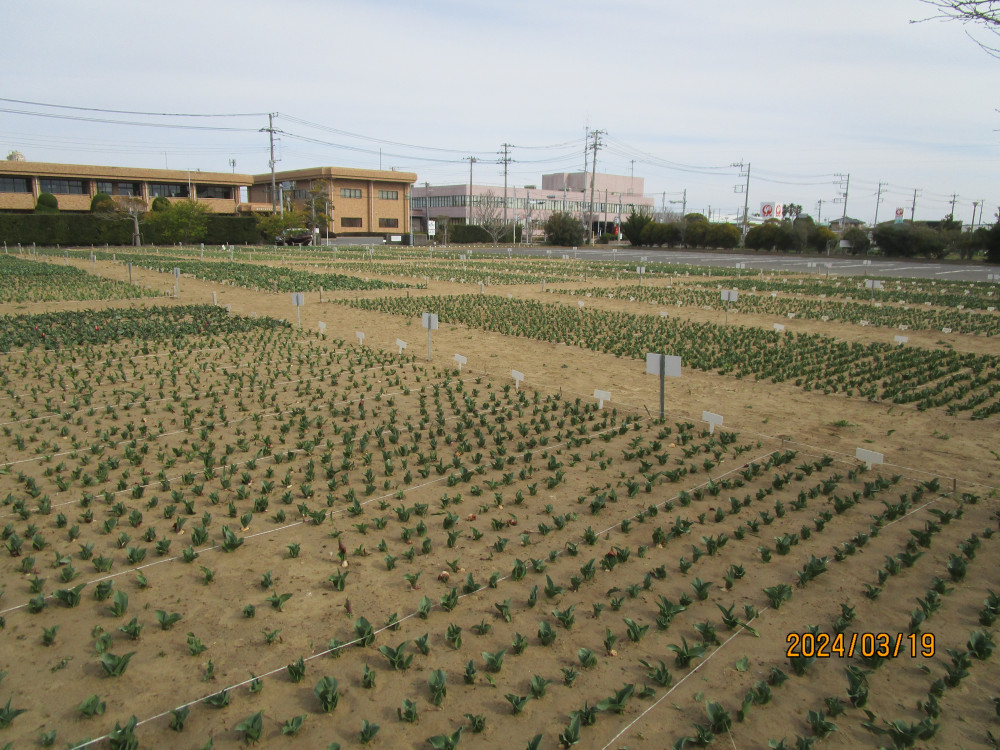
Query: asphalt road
{"type": "Point", "coordinates": [836, 265]}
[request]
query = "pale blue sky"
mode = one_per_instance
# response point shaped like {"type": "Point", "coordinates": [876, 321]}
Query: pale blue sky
{"type": "Point", "coordinates": [801, 90]}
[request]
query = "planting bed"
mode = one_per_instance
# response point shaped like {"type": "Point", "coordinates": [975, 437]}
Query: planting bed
{"type": "Point", "coordinates": [234, 531]}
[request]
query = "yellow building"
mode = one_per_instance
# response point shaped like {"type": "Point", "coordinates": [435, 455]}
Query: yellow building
{"type": "Point", "coordinates": [360, 201]}
{"type": "Point", "coordinates": [74, 185]}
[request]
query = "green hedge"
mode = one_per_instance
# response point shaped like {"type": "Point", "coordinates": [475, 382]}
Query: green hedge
{"type": "Point", "coordinates": [88, 229]}
{"type": "Point", "coordinates": [464, 234]}
{"type": "Point", "coordinates": [63, 229]}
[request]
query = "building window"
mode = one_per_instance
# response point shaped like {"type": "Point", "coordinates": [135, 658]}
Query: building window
{"type": "Point", "coordinates": [15, 185]}
{"type": "Point", "coordinates": [167, 190]}
{"type": "Point", "coordinates": [388, 223]}
{"type": "Point", "coordinates": [221, 192]}
{"type": "Point", "coordinates": [350, 192]}
{"type": "Point", "coordinates": [128, 188]}
{"type": "Point", "coordinates": [418, 202]}
{"type": "Point", "coordinates": [61, 187]}
{"type": "Point", "coordinates": [388, 195]}
{"type": "Point", "coordinates": [348, 222]}
{"type": "Point", "coordinates": [105, 186]}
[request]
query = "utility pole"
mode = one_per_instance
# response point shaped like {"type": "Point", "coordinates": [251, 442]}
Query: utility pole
{"type": "Point", "coordinates": [954, 198]}
{"type": "Point", "coordinates": [586, 169]}
{"type": "Point", "coordinates": [427, 209]}
{"type": "Point", "coordinates": [468, 207]}
{"type": "Point", "coordinates": [975, 205]}
{"type": "Point", "coordinates": [593, 178]}
{"type": "Point", "coordinates": [913, 206]}
{"type": "Point", "coordinates": [505, 160]}
{"type": "Point", "coordinates": [878, 200]}
{"type": "Point", "coordinates": [274, 187]}
{"type": "Point", "coordinates": [844, 181]}
{"type": "Point", "coordinates": [746, 198]}
{"type": "Point", "coordinates": [631, 183]}
{"type": "Point", "coordinates": [819, 211]}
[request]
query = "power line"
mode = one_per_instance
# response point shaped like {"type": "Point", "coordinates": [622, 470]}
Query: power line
{"type": "Point", "coordinates": [131, 112]}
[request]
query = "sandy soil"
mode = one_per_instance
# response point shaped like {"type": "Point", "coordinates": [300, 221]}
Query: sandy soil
{"type": "Point", "coordinates": [766, 417]}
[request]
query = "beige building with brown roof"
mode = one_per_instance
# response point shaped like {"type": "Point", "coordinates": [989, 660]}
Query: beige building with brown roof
{"type": "Point", "coordinates": [74, 185]}
{"type": "Point", "coordinates": [361, 201]}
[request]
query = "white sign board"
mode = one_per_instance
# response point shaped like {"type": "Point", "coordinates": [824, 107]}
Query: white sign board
{"type": "Point", "coordinates": [779, 327]}
{"type": "Point", "coordinates": [729, 295]}
{"type": "Point", "coordinates": [741, 265]}
{"type": "Point", "coordinates": [601, 397]}
{"type": "Point", "coordinates": [394, 238]}
{"type": "Point", "coordinates": [401, 344]}
{"type": "Point", "coordinates": [429, 321]}
{"type": "Point", "coordinates": [869, 457]}
{"type": "Point", "coordinates": [361, 336]}
{"type": "Point", "coordinates": [518, 377]}
{"type": "Point", "coordinates": [461, 361]}
{"type": "Point", "coordinates": [298, 299]}
{"type": "Point", "coordinates": [322, 327]}
{"type": "Point", "coordinates": [873, 284]}
{"type": "Point", "coordinates": [580, 303]}
{"type": "Point", "coordinates": [901, 339]}
{"type": "Point", "coordinates": [431, 228]}
{"type": "Point", "coordinates": [712, 419]}
{"type": "Point", "coordinates": [672, 365]}
{"type": "Point", "coordinates": [767, 211]}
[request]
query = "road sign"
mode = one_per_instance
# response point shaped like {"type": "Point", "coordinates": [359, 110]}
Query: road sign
{"type": "Point", "coordinates": [431, 228]}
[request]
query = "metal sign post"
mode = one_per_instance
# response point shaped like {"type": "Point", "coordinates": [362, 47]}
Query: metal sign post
{"type": "Point", "coordinates": [430, 322]}
{"type": "Point", "coordinates": [729, 295]}
{"type": "Point", "coordinates": [129, 272]}
{"type": "Point", "coordinates": [298, 299]}
{"type": "Point", "coordinates": [873, 284]}
{"type": "Point", "coordinates": [663, 365]}
{"type": "Point", "coordinates": [177, 279]}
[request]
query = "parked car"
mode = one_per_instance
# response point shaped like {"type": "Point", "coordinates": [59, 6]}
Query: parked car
{"type": "Point", "coordinates": [294, 236]}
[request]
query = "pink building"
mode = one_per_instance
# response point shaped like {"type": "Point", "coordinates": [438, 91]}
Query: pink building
{"type": "Point", "coordinates": [615, 197]}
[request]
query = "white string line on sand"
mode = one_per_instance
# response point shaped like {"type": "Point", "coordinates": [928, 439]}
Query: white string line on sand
{"type": "Point", "coordinates": [650, 708]}
{"type": "Point", "coordinates": [312, 656]}
{"type": "Point", "coordinates": [414, 613]}
{"type": "Point", "coordinates": [680, 682]}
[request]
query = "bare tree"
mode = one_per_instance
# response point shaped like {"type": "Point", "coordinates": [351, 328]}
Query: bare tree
{"type": "Point", "coordinates": [489, 215]}
{"type": "Point", "coordinates": [984, 13]}
{"type": "Point", "coordinates": [131, 207]}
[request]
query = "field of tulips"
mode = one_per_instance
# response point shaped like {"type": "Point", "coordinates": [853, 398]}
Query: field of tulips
{"type": "Point", "coordinates": [966, 383]}
{"type": "Point", "coordinates": [25, 280]}
{"type": "Point", "coordinates": [247, 532]}
{"type": "Point", "coordinates": [899, 316]}
{"type": "Point", "coordinates": [217, 530]}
